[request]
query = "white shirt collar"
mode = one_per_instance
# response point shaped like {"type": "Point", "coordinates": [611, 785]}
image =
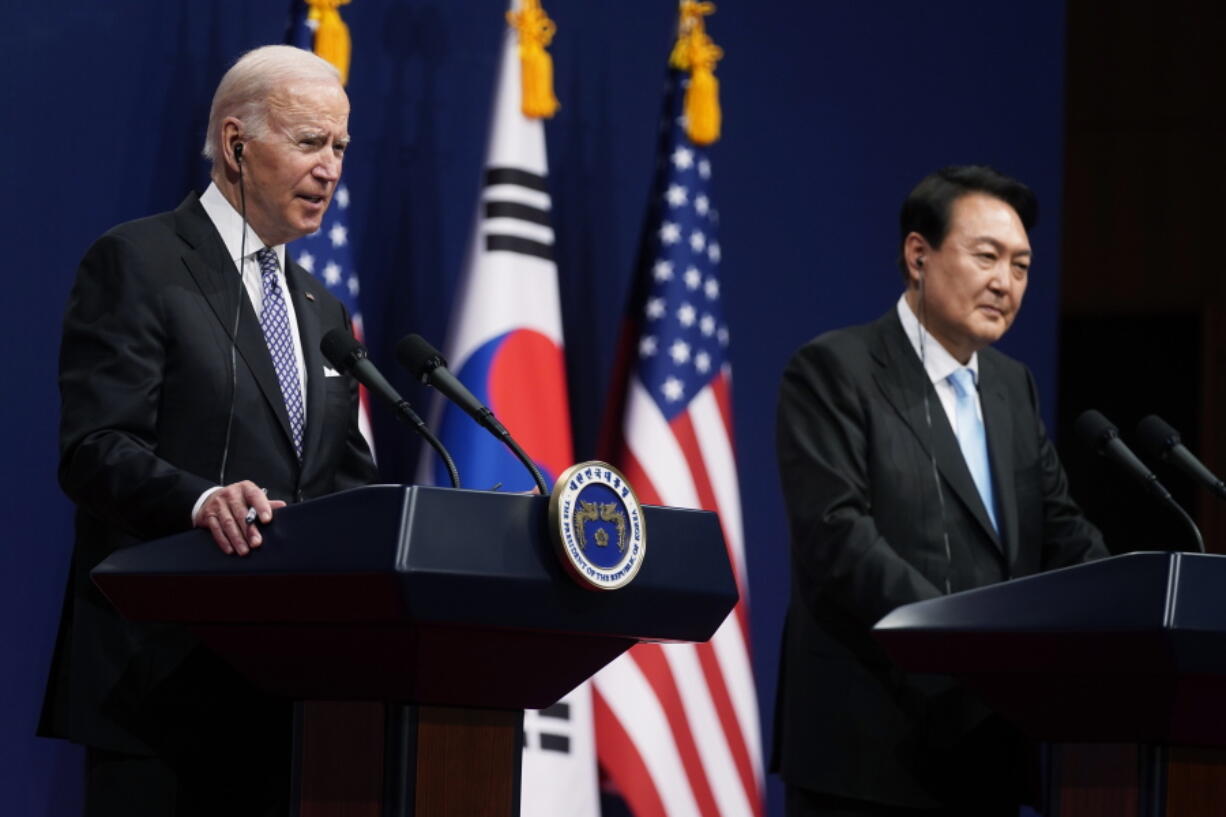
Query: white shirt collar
{"type": "Point", "coordinates": [938, 362]}
{"type": "Point", "coordinates": [229, 225]}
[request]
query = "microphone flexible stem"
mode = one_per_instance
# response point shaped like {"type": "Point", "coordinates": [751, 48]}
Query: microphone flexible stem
{"type": "Point", "coordinates": [501, 432]}
{"type": "Point", "coordinates": [407, 415]}
{"type": "Point", "coordinates": [1186, 517]}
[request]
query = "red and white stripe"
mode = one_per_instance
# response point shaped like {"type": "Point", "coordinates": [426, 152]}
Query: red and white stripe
{"type": "Point", "coordinates": [363, 397]}
{"type": "Point", "coordinates": [677, 728]}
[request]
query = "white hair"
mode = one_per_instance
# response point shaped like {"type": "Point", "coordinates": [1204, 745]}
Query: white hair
{"type": "Point", "coordinates": [246, 89]}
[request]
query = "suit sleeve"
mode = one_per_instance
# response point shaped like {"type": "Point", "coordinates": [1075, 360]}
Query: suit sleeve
{"type": "Point", "coordinates": [822, 445]}
{"type": "Point", "coordinates": [111, 360]}
{"type": "Point", "coordinates": [1068, 537]}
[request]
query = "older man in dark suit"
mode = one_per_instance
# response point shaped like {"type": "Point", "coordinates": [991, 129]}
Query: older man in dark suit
{"type": "Point", "coordinates": [914, 464]}
{"type": "Point", "coordinates": [193, 390]}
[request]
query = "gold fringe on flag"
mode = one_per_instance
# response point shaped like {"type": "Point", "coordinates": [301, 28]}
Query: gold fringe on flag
{"type": "Point", "coordinates": [331, 34]}
{"type": "Point", "coordinates": [696, 53]}
{"type": "Point", "coordinates": [536, 31]}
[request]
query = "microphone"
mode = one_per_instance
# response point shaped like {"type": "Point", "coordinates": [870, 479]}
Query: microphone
{"type": "Point", "coordinates": [1099, 434]}
{"type": "Point", "coordinates": [1162, 442]}
{"type": "Point", "coordinates": [425, 363]}
{"type": "Point", "coordinates": [349, 356]}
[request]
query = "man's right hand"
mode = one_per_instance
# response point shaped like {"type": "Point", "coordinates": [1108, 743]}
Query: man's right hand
{"type": "Point", "coordinates": [224, 515]}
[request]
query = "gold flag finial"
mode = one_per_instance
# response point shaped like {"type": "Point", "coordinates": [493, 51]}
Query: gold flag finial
{"type": "Point", "coordinates": [696, 53]}
{"type": "Point", "coordinates": [331, 34]}
{"type": "Point", "coordinates": [536, 31]}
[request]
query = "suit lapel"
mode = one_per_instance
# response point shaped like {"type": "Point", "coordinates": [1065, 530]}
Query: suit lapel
{"type": "Point", "coordinates": [998, 421]}
{"type": "Point", "coordinates": [214, 272]}
{"type": "Point", "coordinates": [307, 310]}
{"type": "Point", "coordinates": [904, 382]}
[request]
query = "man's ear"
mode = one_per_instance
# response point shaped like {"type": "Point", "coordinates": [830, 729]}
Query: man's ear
{"type": "Point", "coordinates": [915, 249]}
{"type": "Point", "coordinates": [231, 143]}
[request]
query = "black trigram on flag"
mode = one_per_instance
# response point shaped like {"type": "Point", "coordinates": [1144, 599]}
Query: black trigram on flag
{"type": "Point", "coordinates": [516, 213]}
{"type": "Point", "coordinates": [548, 729]}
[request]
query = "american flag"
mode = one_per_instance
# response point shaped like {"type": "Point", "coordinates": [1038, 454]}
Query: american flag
{"type": "Point", "coordinates": [326, 253]}
{"type": "Point", "coordinates": [677, 729]}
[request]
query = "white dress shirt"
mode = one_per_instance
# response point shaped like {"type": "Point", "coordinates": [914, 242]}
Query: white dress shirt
{"type": "Point", "coordinates": [229, 225]}
{"type": "Point", "coordinates": [938, 363]}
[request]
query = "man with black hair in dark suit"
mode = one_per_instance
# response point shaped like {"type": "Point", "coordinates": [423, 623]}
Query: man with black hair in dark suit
{"type": "Point", "coordinates": [193, 389]}
{"type": "Point", "coordinates": [914, 464]}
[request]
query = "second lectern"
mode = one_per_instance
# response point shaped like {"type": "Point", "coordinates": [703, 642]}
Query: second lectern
{"type": "Point", "coordinates": [1121, 663]}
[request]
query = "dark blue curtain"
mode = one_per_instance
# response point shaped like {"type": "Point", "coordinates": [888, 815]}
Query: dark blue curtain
{"type": "Point", "coordinates": [832, 112]}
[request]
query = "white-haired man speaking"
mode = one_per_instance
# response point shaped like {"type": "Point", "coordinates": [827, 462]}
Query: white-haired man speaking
{"type": "Point", "coordinates": [192, 389]}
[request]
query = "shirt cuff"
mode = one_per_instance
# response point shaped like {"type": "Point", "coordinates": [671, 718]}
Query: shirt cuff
{"type": "Point", "coordinates": [204, 497]}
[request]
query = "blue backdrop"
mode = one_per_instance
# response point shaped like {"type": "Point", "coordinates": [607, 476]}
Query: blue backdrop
{"type": "Point", "coordinates": [832, 112]}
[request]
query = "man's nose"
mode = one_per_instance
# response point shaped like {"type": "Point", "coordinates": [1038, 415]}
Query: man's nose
{"type": "Point", "coordinates": [328, 168]}
{"type": "Point", "coordinates": [1001, 279]}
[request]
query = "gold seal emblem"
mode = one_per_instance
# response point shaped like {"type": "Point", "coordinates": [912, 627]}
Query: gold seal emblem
{"type": "Point", "coordinates": [597, 524]}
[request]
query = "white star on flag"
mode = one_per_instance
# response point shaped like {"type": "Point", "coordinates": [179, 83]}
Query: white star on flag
{"type": "Point", "coordinates": [342, 197]}
{"type": "Point", "coordinates": [676, 195]}
{"type": "Point", "coordinates": [697, 241]}
{"type": "Point", "coordinates": [702, 204]}
{"type": "Point", "coordinates": [647, 346]}
{"type": "Point", "coordinates": [723, 336]}
{"type": "Point", "coordinates": [704, 168]}
{"type": "Point", "coordinates": [713, 252]}
{"type": "Point", "coordinates": [707, 325]}
{"type": "Point", "coordinates": [679, 351]}
{"type": "Point", "coordinates": [655, 308]}
{"type": "Point", "coordinates": [670, 233]}
{"type": "Point", "coordinates": [711, 288]}
{"type": "Point", "coordinates": [673, 389]}
{"type": "Point", "coordinates": [663, 270]}
{"type": "Point", "coordinates": [683, 158]}
{"type": "Point", "coordinates": [685, 314]}
{"type": "Point", "coordinates": [353, 285]}
{"type": "Point", "coordinates": [332, 274]}
{"type": "Point", "coordinates": [702, 362]}
{"type": "Point", "coordinates": [693, 278]}
{"type": "Point", "coordinates": [307, 262]}
{"type": "Point", "coordinates": [338, 235]}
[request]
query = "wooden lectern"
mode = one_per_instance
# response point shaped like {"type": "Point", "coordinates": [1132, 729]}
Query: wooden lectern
{"type": "Point", "coordinates": [1121, 663]}
{"type": "Point", "coordinates": [416, 624]}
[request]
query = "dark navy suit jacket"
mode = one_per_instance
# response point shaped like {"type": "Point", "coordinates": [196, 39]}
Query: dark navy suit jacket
{"type": "Point", "coordinates": [146, 388]}
{"type": "Point", "coordinates": [872, 528]}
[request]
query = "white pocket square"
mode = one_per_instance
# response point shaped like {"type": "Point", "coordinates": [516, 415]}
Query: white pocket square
{"type": "Point", "coordinates": [330, 372]}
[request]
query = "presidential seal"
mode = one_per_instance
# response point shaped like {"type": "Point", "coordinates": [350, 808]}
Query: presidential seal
{"type": "Point", "coordinates": [598, 526]}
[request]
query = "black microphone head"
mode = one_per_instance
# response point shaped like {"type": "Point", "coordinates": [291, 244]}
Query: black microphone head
{"type": "Point", "coordinates": [341, 349]}
{"type": "Point", "coordinates": [417, 355]}
{"type": "Point", "coordinates": [1157, 438]}
{"type": "Point", "coordinates": [1095, 430]}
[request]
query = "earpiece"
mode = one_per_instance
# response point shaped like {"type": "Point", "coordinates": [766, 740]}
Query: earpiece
{"type": "Point", "coordinates": [238, 151]}
{"type": "Point", "coordinates": [919, 262]}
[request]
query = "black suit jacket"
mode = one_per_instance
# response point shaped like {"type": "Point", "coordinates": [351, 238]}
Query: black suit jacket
{"type": "Point", "coordinates": [146, 387]}
{"type": "Point", "coordinates": [884, 512]}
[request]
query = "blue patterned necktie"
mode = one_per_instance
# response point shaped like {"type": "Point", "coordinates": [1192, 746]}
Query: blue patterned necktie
{"type": "Point", "coordinates": [972, 439]}
{"type": "Point", "coordinates": [274, 320]}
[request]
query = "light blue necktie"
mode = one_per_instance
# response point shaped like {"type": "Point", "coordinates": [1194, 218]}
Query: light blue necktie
{"type": "Point", "coordinates": [972, 439]}
{"type": "Point", "coordinates": [274, 320]}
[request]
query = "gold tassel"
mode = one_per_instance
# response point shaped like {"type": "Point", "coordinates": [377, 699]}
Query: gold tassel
{"type": "Point", "coordinates": [331, 34]}
{"type": "Point", "coordinates": [696, 53]}
{"type": "Point", "coordinates": [536, 31]}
